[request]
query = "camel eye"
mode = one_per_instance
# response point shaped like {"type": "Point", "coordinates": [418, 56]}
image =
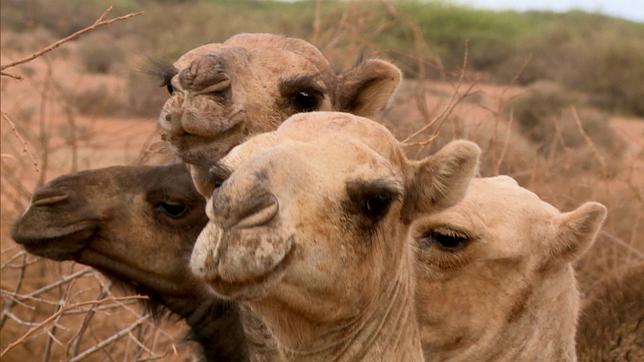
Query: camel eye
{"type": "Point", "coordinates": [445, 239]}
{"type": "Point", "coordinates": [306, 101]}
{"type": "Point", "coordinates": [173, 209]}
{"type": "Point", "coordinates": [376, 206]}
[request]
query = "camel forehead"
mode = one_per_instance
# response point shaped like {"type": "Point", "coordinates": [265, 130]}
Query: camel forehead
{"type": "Point", "coordinates": [324, 155]}
{"type": "Point", "coordinates": [317, 125]}
{"type": "Point", "coordinates": [493, 203]}
{"type": "Point", "coordinates": [274, 41]}
{"type": "Point", "coordinates": [277, 53]}
{"type": "Point", "coordinates": [504, 192]}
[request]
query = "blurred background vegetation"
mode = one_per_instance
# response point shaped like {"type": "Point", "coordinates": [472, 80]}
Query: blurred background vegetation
{"type": "Point", "coordinates": [555, 100]}
{"type": "Point", "coordinates": [598, 55]}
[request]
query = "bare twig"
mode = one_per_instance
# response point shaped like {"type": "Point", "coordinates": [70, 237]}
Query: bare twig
{"type": "Point", "coordinates": [102, 344]}
{"type": "Point", "coordinates": [623, 243]}
{"type": "Point", "coordinates": [65, 279]}
{"type": "Point", "coordinates": [14, 76]}
{"type": "Point", "coordinates": [590, 143]}
{"type": "Point", "coordinates": [9, 304]}
{"type": "Point", "coordinates": [454, 100]}
{"type": "Point", "coordinates": [101, 21]}
{"type": "Point", "coordinates": [76, 340]}
{"type": "Point", "coordinates": [316, 23]}
{"type": "Point", "coordinates": [497, 166]}
{"type": "Point", "coordinates": [24, 143]}
{"type": "Point", "coordinates": [52, 317]}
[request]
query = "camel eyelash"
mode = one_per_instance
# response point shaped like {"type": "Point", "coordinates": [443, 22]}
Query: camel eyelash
{"type": "Point", "coordinates": [162, 70]}
{"type": "Point", "coordinates": [452, 232]}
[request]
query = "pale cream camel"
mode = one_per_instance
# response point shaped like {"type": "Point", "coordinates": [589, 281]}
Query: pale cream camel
{"type": "Point", "coordinates": [495, 280]}
{"type": "Point", "coordinates": [308, 228]}
{"type": "Point", "coordinates": [223, 92]}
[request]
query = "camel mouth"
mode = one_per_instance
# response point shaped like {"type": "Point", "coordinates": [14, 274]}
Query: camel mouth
{"type": "Point", "coordinates": [60, 244]}
{"type": "Point", "coordinates": [133, 275]}
{"type": "Point", "coordinates": [196, 149]}
{"type": "Point", "coordinates": [256, 287]}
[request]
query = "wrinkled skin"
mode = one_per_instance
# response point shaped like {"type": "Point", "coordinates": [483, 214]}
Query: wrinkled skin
{"type": "Point", "coordinates": [221, 93]}
{"type": "Point", "coordinates": [138, 226]}
{"type": "Point", "coordinates": [315, 242]}
{"type": "Point", "coordinates": [494, 275]}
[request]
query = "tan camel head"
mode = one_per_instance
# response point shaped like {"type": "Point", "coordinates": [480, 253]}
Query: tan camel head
{"type": "Point", "coordinates": [494, 273]}
{"type": "Point", "coordinates": [138, 226]}
{"type": "Point", "coordinates": [223, 92]}
{"type": "Point", "coordinates": [122, 220]}
{"type": "Point", "coordinates": [313, 217]}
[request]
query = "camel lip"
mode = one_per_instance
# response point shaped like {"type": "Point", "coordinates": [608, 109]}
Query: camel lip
{"type": "Point", "coordinates": [63, 245]}
{"type": "Point", "coordinates": [196, 149]}
{"type": "Point", "coordinates": [186, 140]}
{"type": "Point", "coordinates": [130, 274]}
{"type": "Point", "coordinates": [252, 288]}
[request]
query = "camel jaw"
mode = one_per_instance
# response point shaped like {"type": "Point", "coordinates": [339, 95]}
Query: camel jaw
{"type": "Point", "coordinates": [136, 276]}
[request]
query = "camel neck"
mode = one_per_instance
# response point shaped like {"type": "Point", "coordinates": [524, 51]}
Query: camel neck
{"type": "Point", "coordinates": [386, 330]}
{"type": "Point", "coordinates": [215, 325]}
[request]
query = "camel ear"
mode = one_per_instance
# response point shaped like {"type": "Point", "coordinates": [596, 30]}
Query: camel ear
{"type": "Point", "coordinates": [576, 231]}
{"type": "Point", "coordinates": [366, 89]}
{"type": "Point", "coordinates": [441, 180]}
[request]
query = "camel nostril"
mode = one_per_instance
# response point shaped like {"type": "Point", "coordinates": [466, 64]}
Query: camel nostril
{"type": "Point", "coordinates": [205, 74]}
{"type": "Point", "coordinates": [46, 200]}
{"type": "Point", "coordinates": [253, 212]}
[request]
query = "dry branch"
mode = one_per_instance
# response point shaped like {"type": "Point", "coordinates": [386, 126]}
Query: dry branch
{"type": "Point", "coordinates": [590, 143]}
{"type": "Point", "coordinates": [104, 343]}
{"type": "Point", "coordinates": [101, 21]}
{"type": "Point", "coordinates": [62, 310]}
{"type": "Point", "coordinates": [24, 143]}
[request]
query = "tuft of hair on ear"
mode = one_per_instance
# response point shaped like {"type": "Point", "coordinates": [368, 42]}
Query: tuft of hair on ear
{"type": "Point", "coordinates": [441, 180]}
{"type": "Point", "coordinates": [367, 88]}
{"type": "Point", "coordinates": [577, 230]}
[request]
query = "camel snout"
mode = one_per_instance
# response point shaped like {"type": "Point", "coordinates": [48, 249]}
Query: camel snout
{"type": "Point", "coordinates": [259, 209]}
{"type": "Point", "coordinates": [205, 74]}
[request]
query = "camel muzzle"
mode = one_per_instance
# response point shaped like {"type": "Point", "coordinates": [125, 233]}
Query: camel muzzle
{"type": "Point", "coordinates": [56, 225]}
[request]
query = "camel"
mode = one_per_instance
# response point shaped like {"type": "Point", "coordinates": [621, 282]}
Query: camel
{"type": "Point", "coordinates": [494, 275]}
{"type": "Point", "coordinates": [137, 225]}
{"type": "Point", "coordinates": [221, 93]}
{"type": "Point", "coordinates": [611, 326]}
{"type": "Point", "coordinates": [308, 229]}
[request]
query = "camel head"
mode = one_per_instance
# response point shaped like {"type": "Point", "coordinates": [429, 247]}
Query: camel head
{"type": "Point", "coordinates": [221, 93]}
{"type": "Point", "coordinates": [137, 224]}
{"type": "Point", "coordinates": [494, 267]}
{"type": "Point", "coordinates": [314, 215]}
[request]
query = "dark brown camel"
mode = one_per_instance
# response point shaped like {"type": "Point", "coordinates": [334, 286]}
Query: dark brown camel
{"type": "Point", "coordinates": [137, 225]}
